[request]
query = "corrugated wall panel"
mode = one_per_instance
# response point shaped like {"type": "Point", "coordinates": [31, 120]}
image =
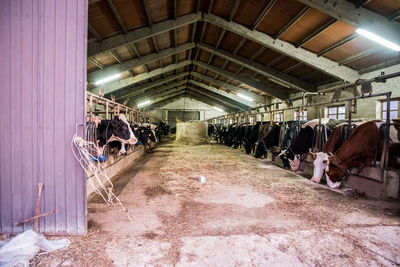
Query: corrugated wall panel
{"type": "Point", "coordinates": [42, 79]}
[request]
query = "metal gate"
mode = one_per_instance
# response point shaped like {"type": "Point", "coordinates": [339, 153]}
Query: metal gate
{"type": "Point", "coordinates": [175, 116]}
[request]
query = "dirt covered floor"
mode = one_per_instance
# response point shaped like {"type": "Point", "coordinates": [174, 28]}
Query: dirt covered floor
{"type": "Point", "coordinates": [248, 213]}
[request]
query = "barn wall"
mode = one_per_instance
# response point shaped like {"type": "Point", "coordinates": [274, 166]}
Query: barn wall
{"type": "Point", "coordinates": [42, 78]}
{"type": "Point", "coordinates": [366, 108]}
{"type": "Point", "coordinates": [186, 103]}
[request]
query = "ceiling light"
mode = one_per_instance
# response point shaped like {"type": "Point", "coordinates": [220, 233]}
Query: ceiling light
{"type": "Point", "coordinates": [109, 78]}
{"type": "Point", "coordinates": [378, 39]}
{"type": "Point", "coordinates": [143, 103]}
{"type": "Point", "coordinates": [220, 110]}
{"type": "Point", "coordinates": [245, 97]}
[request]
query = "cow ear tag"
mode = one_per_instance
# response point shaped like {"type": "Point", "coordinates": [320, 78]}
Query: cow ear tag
{"type": "Point", "coordinates": [149, 134]}
{"type": "Point", "coordinates": [142, 131]}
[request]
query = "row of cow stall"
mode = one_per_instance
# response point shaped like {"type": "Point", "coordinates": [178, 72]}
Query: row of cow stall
{"type": "Point", "coordinates": [319, 146]}
{"type": "Point", "coordinates": [118, 135]}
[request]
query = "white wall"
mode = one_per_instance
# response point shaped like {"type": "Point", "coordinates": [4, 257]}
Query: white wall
{"type": "Point", "coordinates": [186, 103]}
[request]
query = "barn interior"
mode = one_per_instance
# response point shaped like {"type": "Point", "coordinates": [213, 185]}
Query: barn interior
{"type": "Point", "coordinates": [203, 68]}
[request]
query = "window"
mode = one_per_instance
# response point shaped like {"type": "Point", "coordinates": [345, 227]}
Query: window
{"type": "Point", "coordinates": [251, 119]}
{"type": "Point", "coordinates": [230, 120]}
{"type": "Point", "coordinates": [303, 115]}
{"type": "Point", "coordinates": [278, 116]}
{"type": "Point", "coordinates": [337, 112]}
{"type": "Point", "coordinates": [394, 109]}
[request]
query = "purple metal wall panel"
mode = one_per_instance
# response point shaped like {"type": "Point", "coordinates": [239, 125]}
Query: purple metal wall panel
{"type": "Point", "coordinates": [42, 98]}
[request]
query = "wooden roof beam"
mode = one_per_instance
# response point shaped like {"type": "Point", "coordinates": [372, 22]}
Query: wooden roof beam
{"type": "Point", "coordinates": [223, 93]}
{"type": "Point", "coordinates": [358, 17]}
{"type": "Point", "coordinates": [260, 68]}
{"type": "Point", "coordinates": [359, 55]}
{"type": "Point", "coordinates": [257, 98]}
{"type": "Point", "coordinates": [141, 34]}
{"type": "Point", "coordinates": [292, 21]}
{"type": "Point", "coordinates": [94, 33]}
{"type": "Point", "coordinates": [158, 95]}
{"type": "Point", "coordinates": [265, 11]}
{"type": "Point", "coordinates": [155, 90]}
{"type": "Point", "coordinates": [96, 62]}
{"type": "Point", "coordinates": [164, 102]}
{"type": "Point", "coordinates": [276, 92]}
{"type": "Point", "coordinates": [164, 98]}
{"type": "Point", "coordinates": [116, 15]}
{"type": "Point", "coordinates": [311, 59]}
{"type": "Point", "coordinates": [360, 3]}
{"type": "Point", "coordinates": [338, 44]}
{"type": "Point", "coordinates": [234, 9]}
{"type": "Point", "coordinates": [112, 87]}
{"type": "Point", "coordinates": [316, 32]}
{"type": "Point", "coordinates": [394, 16]}
{"type": "Point", "coordinates": [136, 62]}
{"type": "Point", "coordinates": [219, 98]}
{"type": "Point", "coordinates": [132, 91]}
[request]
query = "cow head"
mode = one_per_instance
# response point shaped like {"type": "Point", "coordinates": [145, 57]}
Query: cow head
{"type": "Point", "coordinates": [321, 161]}
{"type": "Point", "coordinates": [295, 163]}
{"type": "Point", "coordinates": [125, 130]}
{"type": "Point", "coordinates": [260, 150]}
{"type": "Point", "coordinates": [335, 173]}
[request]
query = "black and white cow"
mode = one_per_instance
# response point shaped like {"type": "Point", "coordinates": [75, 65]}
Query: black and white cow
{"type": "Point", "coordinates": [115, 130]}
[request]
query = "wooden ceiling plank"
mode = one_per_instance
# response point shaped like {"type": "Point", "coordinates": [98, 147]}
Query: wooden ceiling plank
{"type": "Point", "coordinates": [383, 65]}
{"type": "Point", "coordinates": [140, 34]}
{"type": "Point", "coordinates": [139, 61]}
{"type": "Point", "coordinates": [309, 58]}
{"type": "Point", "coordinates": [358, 17]}
{"type": "Point", "coordinates": [265, 11]}
{"type": "Point", "coordinates": [292, 68]}
{"type": "Point", "coordinates": [292, 21]}
{"type": "Point", "coordinates": [359, 55]}
{"type": "Point", "coordinates": [316, 32]}
{"type": "Point", "coordinates": [94, 33]}
{"type": "Point", "coordinates": [117, 15]}
{"type": "Point", "coordinates": [260, 68]}
{"type": "Point", "coordinates": [275, 60]}
{"type": "Point", "coordinates": [338, 44]}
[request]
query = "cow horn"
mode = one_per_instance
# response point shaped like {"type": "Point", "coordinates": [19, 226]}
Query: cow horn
{"type": "Point", "coordinates": [331, 154]}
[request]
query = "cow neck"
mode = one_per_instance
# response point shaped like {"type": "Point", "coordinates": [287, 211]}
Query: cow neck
{"type": "Point", "coordinates": [345, 170]}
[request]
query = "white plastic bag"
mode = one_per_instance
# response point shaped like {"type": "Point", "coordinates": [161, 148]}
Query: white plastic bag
{"type": "Point", "coordinates": [21, 249]}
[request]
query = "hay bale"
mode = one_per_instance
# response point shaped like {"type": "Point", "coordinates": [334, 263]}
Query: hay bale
{"type": "Point", "coordinates": [192, 133]}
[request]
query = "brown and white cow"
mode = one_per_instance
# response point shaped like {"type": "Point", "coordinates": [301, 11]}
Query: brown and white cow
{"type": "Point", "coordinates": [358, 150]}
{"type": "Point", "coordinates": [321, 159]}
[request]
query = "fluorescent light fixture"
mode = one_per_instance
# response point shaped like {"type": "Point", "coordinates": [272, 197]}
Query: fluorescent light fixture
{"type": "Point", "coordinates": [378, 39]}
{"type": "Point", "coordinates": [220, 110]}
{"type": "Point", "coordinates": [245, 97]}
{"type": "Point", "coordinates": [107, 79]}
{"type": "Point", "coordinates": [143, 103]}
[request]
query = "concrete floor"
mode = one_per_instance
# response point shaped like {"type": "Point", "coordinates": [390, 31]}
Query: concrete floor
{"type": "Point", "coordinates": [248, 213]}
